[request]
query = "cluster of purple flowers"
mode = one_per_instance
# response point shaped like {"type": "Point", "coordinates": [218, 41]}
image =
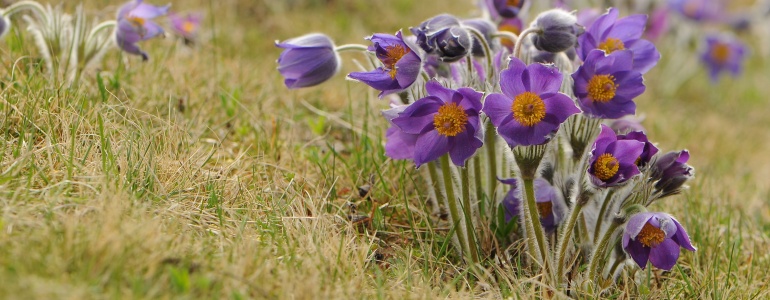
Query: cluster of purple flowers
{"type": "Point", "coordinates": [136, 23]}
{"type": "Point", "coordinates": [460, 86]}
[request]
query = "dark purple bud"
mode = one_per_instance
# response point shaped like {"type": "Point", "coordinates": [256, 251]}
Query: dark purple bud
{"type": "Point", "coordinates": [671, 172]}
{"type": "Point", "coordinates": [427, 31]}
{"type": "Point", "coordinates": [558, 31]}
{"type": "Point", "coordinates": [453, 44]}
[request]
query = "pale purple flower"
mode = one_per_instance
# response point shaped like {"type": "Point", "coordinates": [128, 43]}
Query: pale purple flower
{"type": "Point", "coordinates": [550, 206]}
{"type": "Point", "coordinates": [723, 53]}
{"type": "Point", "coordinates": [307, 60]}
{"type": "Point", "coordinates": [135, 24]}
{"type": "Point", "coordinates": [186, 26]}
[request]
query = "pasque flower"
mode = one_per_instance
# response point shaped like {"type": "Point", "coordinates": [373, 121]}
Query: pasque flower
{"type": "Point", "coordinates": [607, 84]}
{"type": "Point", "coordinates": [508, 8]}
{"type": "Point", "coordinates": [671, 172]}
{"type": "Point", "coordinates": [613, 161]}
{"type": "Point", "coordinates": [558, 31]}
{"type": "Point", "coordinates": [135, 24]}
{"type": "Point", "coordinates": [446, 121]}
{"type": "Point", "coordinates": [186, 26]}
{"type": "Point", "coordinates": [446, 37]}
{"type": "Point", "coordinates": [648, 151]}
{"type": "Point", "coordinates": [400, 65]}
{"type": "Point", "coordinates": [610, 34]}
{"type": "Point", "coordinates": [531, 108]}
{"type": "Point", "coordinates": [550, 207]}
{"type": "Point", "coordinates": [307, 60]}
{"type": "Point", "coordinates": [698, 10]}
{"type": "Point", "coordinates": [723, 53]}
{"type": "Point", "coordinates": [655, 237]}
{"type": "Point", "coordinates": [398, 144]}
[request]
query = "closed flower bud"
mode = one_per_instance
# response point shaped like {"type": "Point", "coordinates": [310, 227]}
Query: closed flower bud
{"type": "Point", "coordinates": [307, 60]}
{"type": "Point", "coordinates": [558, 31]}
{"type": "Point", "coordinates": [671, 172]}
{"type": "Point", "coordinates": [427, 31]}
{"type": "Point", "coordinates": [454, 44]}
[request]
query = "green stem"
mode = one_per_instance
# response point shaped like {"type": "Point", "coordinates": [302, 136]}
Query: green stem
{"type": "Point", "coordinates": [490, 141]}
{"type": "Point", "coordinates": [534, 218]}
{"type": "Point", "coordinates": [600, 217]}
{"type": "Point", "coordinates": [351, 47]}
{"type": "Point", "coordinates": [564, 240]}
{"type": "Point", "coordinates": [101, 26]}
{"type": "Point", "coordinates": [487, 51]}
{"type": "Point", "coordinates": [483, 204]}
{"type": "Point", "coordinates": [436, 185]}
{"type": "Point", "coordinates": [520, 41]}
{"type": "Point", "coordinates": [507, 35]}
{"type": "Point", "coordinates": [599, 252]}
{"type": "Point", "coordinates": [469, 62]}
{"type": "Point", "coordinates": [467, 211]}
{"type": "Point", "coordinates": [452, 203]}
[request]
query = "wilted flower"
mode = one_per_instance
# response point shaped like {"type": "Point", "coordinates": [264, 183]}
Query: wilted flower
{"type": "Point", "coordinates": [307, 60]}
{"type": "Point", "coordinates": [531, 107]}
{"type": "Point", "coordinates": [446, 121]}
{"type": "Point", "coordinates": [558, 31]}
{"type": "Point", "coordinates": [400, 65]}
{"type": "Point", "coordinates": [648, 151]}
{"type": "Point", "coordinates": [655, 237]}
{"type": "Point", "coordinates": [671, 172]}
{"type": "Point", "coordinates": [607, 84]}
{"type": "Point", "coordinates": [135, 24]}
{"type": "Point", "coordinates": [723, 53]}
{"type": "Point", "coordinates": [186, 26]}
{"type": "Point", "coordinates": [610, 34]}
{"type": "Point", "coordinates": [613, 161]}
{"type": "Point", "coordinates": [508, 8]}
{"type": "Point", "coordinates": [550, 207]}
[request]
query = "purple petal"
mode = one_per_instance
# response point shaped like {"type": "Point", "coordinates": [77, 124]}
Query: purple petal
{"type": "Point", "coordinates": [560, 106]}
{"type": "Point", "coordinates": [378, 79]}
{"type": "Point", "coordinates": [418, 117]}
{"type": "Point", "coordinates": [498, 108]}
{"type": "Point", "coordinates": [629, 28]}
{"type": "Point", "coordinates": [664, 256]}
{"type": "Point", "coordinates": [429, 147]}
{"type": "Point", "coordinates": [464, 145]}
{"type": "Point", "coordinates": [646, 55]}
{"type": "Point", "coordinates": [399, 145]}
{"type": "Point", "coordinates": [511, 79]}
{"type": "Point", "coordinates": [639, 253]}
{"type": "Point", "coordinates": [681, 237]}
{"type": "Point", "coordinates": [543, 79]}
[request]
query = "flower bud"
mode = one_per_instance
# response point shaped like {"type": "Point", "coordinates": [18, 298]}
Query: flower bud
{"type": "Point", "coordinates": [453, 44]}
{"type": "Point", "coordinates": [558, 31]}
{"type": "Point", "coordinates": [427, 31]}
{"type": "Point", "coordinates": [307, 60]}
{"type": "Point", "coordinates": [671, 172]}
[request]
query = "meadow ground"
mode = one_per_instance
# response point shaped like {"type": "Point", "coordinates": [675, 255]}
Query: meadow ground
{"type": "Point", "coordinates": [199, 175]}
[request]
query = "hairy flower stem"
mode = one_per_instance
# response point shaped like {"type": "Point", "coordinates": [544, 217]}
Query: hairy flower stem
{"type": "Point", "coordinates": [484, 204]}
{"type": "Point", "coordinates": [351, 47]}
{"type": "Point", "coordinates": [490, 141]}
{"type": "Point", "coordinates": [23, 5]}
{"type": "Point", "coordinates": [520, 41]}
{"type": "Point", "coordinates": [602, 211]}
{"type": "Point", "coordinates": [565, 238]}
{"type": "Point", "coordinates": [534, 219]}
{"type": "Point", "coordinates": [99, 27]}
{"type": "Point", "coordinates": [454, 213]}
{"type": "Point", "coordinates": [487, 51]}
{"type": "Point", "coordinates": [506, 35]}
{"type": "Point", "coordinates": [600, 250]}
{"type": "Point", "coordinates": [467, 211]}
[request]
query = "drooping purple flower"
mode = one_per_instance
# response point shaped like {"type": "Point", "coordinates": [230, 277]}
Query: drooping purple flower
{"type": "Point", "coordinates": [186, 26]}
{"type": "Point", "coordinates": [398, 144]}
{"type": "Point", "coordinates": [723, 53]}
{"type": "Point", "coordinates": [135, 24]}
{"type": "Point", "coordinates": [531, 107]}
{"type": "Point", "coordinates": [613, 161]}
{"type": "Point", "coordinates": [558, 32]}
{"type": "Point", "coordinates": [400, 65]}
{"type": "Point", "coordinates": [648, 151]}
{"type": "Point", "coordinates": [444, 36]}
{"type": "Point", "coordinates": [655, 237]}
{"type": "Point", "coordinates": [508, 8]}
{"type": "Point", "coordinates": [307, 60]}
{"type": "Point", "coordinates": [446, 121]}
{"type": "Point", "coordinates": [698, 10]}
{"type": "Point", "coordinates": [606, 85]}
{"type": "Point", "coordinates": [550, 207]}
{"type": "Point", "coordinates": [610, 34]}
{"type": "Point", "coordinates": [671, 172]}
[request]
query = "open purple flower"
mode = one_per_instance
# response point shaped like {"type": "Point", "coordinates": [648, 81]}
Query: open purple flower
{"type": "Point", "coordinates": [531, 108]}
{"type": "Point", "coordinates": [135, 24]}
{"type": "Point", "coordinates": [671, 172]}
{"type": "Point", "coordinates": [446, 121]}
{"type": "Point", "coordinates": [607, 84]}
{"type": "Point", "coordinates": [307, 60]}
{"type": "Point", "coordinates": [610, 34]}
{"type": "Point", "coordinates": [648, 151]}
{"type": "Point", "coordinates": [613, 161]}
{"type": "Point", "coordinates": [400, 65]}
{"type": "Point", "coordinates": [655, 237]}
{"type": "Point", "coordinates": [398, 144]}
{"type": "Point", "coordinates": [723, 53]}
{"type": "Point", "coordinates": [186, 26]}
{"type": "Point", "coordinates": [550, 207]}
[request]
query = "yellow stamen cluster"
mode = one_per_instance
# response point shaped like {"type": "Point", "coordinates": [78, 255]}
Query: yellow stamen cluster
{"type": "Point", "coordinates": [602, 88]}
{"type": "Point", "coordinates": [450, 119]}
{"type": "Point", "coordinates": [611, 45]}
{"type": "Point", "coordinates": [188, 26]}
{"type": "Point", "coordinates": [513, 2]}
{"type": "Point", "coordinates": [545, 209]}
{"type": "Point", "coordinates": [651, 236]}
{"type": "Point", "coordinates": [138, 23]}
{"type": "Point", "coordinates": [606, 166]}
{"type": "Point", "coordinates": [392, 55]}
{"type": "Point", "coordinates": [720, 52]}
{"type": "Point", "coordinates": [528, 109]}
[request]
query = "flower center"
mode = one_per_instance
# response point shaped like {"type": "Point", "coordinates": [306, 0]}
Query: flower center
{"type": "Point", "coordinates": [611, 45]}
{"type": "Point", "coordinates": [602, 88]}
{"type": "Point", "coordinates": [528, 109]}
{"type": "Point", "coordinates": [545, 209]}
{"type": "Point", "coordinates": [509, 28]}
{"type": "Point", "coordinates": [392, 55]}
{"type": "Point", "coordinates": [720, 53]}
{"type": "Point", "coordinates": [138, 23]}
{"type": "Point", "coordinates": [651, 236]}
{"type": "Point", "coordinates": [606, 166]}
{"type": "Point", "coordinates": [450, 119]}
{"type": "Point", "coordinates": [513, 2]}
{"type": "Point", "coordinates": [188, 26]}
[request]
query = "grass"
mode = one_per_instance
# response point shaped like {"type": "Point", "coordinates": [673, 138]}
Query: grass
{"type": "Point", "coordinates": [198, 175]}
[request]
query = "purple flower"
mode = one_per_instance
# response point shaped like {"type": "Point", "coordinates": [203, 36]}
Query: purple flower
{"type": "Point", "coordinates": [558, 31]}
{"type": "Point", "coordinates": [186, 26]}
{"type": "Point", "coordinates": [586, 17]}
{"type": "Point", "coordinates": [446, 121]}
{"type": "Point", "coordinates": [607, 84]}
{"type": "Point", "coordinates": [446, 37]}
{"type": "Point", "coordinates": [399, 144]}
{"type": "Point", "coordinates": [531, 108]}
{"type": "Point", "coordinates": [723, 53]}
{"type": "Point", "coordinates": [671, 171]}
{"type": "Point", "coordinates": [508, 8]}
{"type": "Point", "coordinates": [400, 65]}
{"type": "Point", "coordinates": [307, 60]}
{"type": "Point", "coordinates": [549, 205]}
{"type": "Point", "coordinates": [655, 237]}
{"type": "Point", "coordinates": [613, 161]}
{"type": "Point", "coordinates": [657, 25]}
{"type": "Point", "coordinates": [611, 34]}
{"type": "Point", "coordinates": [698, 10]}
{"type": "Point", "coordinates": [135, 24]}
{"type": "Point", "coordinates": [648, 151]}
